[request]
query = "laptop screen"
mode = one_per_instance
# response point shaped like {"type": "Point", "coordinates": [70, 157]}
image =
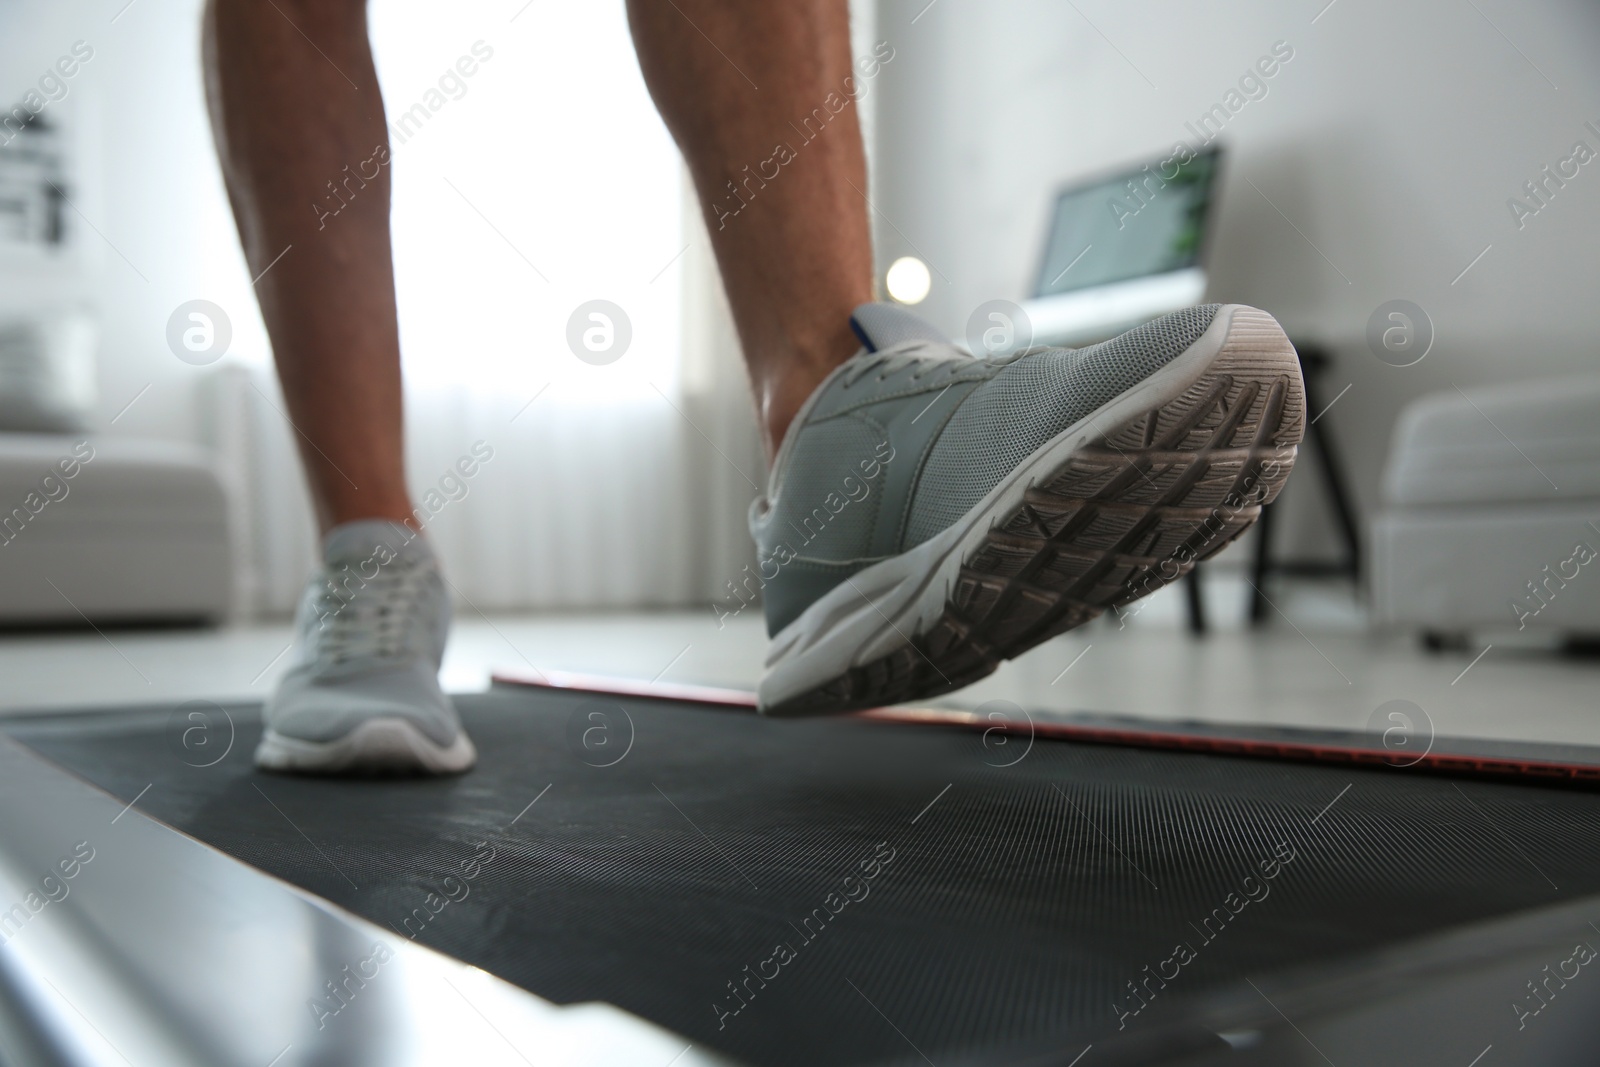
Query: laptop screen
{"type": "Point", "coordinates": [1149, 220]}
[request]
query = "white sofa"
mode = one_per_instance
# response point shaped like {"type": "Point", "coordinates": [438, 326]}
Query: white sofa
{"type": "Point", "coordinates": [110, 530]}
{"type": "Point", "coordinates": [1491, 512]}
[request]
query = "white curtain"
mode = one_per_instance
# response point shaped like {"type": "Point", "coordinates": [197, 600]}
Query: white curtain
{"type": "Point", "coordinates": [537, 182]}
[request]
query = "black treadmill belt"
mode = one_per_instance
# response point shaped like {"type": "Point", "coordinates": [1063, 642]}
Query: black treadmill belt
{"type": "Point", "coordinates": [1008, 906]}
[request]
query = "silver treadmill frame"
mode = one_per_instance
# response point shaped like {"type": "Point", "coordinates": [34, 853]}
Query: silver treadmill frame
{"type": "Point", "coordinates": [165, 950]}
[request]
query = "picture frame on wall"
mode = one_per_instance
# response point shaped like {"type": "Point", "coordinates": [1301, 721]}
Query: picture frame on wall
{"type": "Point", "coordinates": [35, 179]}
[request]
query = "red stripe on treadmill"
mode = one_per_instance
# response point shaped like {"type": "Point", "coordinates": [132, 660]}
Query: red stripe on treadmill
{"type": "Point", "coordinates": [1453, 763]}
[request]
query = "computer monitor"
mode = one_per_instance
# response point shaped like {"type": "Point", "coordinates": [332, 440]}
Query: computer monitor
{"type": "Point", "coordinates": [1125, 248]}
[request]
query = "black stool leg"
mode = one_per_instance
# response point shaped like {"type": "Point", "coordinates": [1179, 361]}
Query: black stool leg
{"type": "Point", "coordinates": [1261, 564]}
{"type": "Point", "coordinates": [1197, 602]}
{"type": "Point", "coordinates": [1339, 496]}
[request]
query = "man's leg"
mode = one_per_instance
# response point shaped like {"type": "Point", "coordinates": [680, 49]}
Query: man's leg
{"type": "Point", "coordinates": [295, 130]}
{"type": "Point", "coordinates": [300, 131]}
{"type": "Point", "coordinates": [1044, 456]}
{"type": "Point", "coordinates": [738, 85]}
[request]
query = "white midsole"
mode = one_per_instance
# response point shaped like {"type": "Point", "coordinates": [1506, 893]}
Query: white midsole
{"type": "Point", "coordinates": [880, 609]}
{"type": "Point", "coordinates": [384, 743]}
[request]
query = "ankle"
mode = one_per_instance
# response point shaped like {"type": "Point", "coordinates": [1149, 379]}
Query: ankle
{"type": "Point", "coordinates": [332, 514]}
{"type": "Point", "coordinates": [778, 403]}
{"type": "Point", "coordinates": [784, 390]}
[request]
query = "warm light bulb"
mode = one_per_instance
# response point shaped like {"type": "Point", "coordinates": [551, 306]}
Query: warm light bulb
{"type": "Point", "coordinates": [908, 280]}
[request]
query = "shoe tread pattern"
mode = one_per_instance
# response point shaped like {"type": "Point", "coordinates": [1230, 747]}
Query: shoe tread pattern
{"type": "Point", "coordinates": [1128, 513]}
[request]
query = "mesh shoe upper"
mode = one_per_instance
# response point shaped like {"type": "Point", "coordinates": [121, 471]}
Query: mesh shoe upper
{"type": "Point", "coordinates": [905, 438]}
{"type": "Point", "coordinates": [370, 636]}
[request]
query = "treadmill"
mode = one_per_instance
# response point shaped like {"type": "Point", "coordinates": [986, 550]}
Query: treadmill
{"type": "Point", "coordinates": [651, 874]}
{"type": "Point", "coordinates": [647, 873]}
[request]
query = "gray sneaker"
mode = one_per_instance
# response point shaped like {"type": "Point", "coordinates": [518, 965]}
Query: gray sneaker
{"type": "Point", "coordinates": [930, 513]}
{"type": "Point", "coordinates": [362, 694]}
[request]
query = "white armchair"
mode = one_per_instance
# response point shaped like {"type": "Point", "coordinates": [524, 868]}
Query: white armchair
{"type": "Point", "coordinates": [1491, 513]}
{"type": "Point", "coordinates": [110, 530]}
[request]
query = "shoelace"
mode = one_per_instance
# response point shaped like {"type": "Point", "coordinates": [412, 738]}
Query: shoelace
{"type": "Point", "coordinates": [381, 621]}
{"type": "Point", "coordinates": [889, 363]}
{"type": "Point", "coordinates": [892, 362]}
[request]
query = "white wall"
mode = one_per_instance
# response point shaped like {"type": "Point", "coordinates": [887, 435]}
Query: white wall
{"type": "Point", "coordinates": [154, 228]}
{"type": "Point", "coordinates": [1392, 140]}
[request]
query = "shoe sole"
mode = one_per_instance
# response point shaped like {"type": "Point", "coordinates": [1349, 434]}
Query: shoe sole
{"type": "Point", "coordinates": [1126, 501]}
{"type": "Point", "coordinates": [385, 745]}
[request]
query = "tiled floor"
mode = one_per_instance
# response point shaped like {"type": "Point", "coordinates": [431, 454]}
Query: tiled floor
{"type": "Point", "coordinates": [1321, 668]}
